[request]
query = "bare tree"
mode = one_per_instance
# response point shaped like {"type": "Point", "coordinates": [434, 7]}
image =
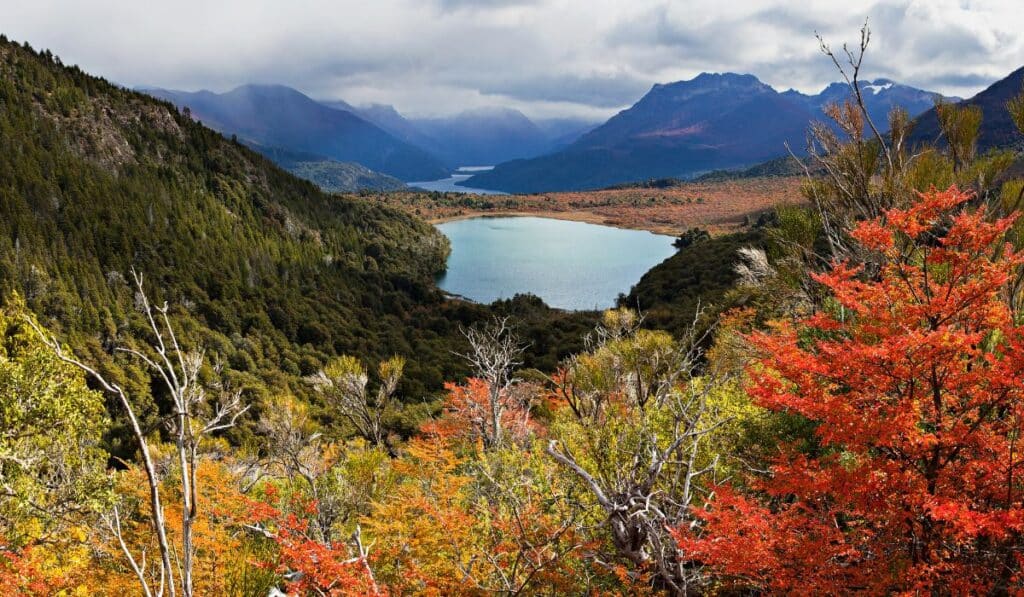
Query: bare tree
{"type": "Point", "coordinates": [643, 469]}
{"type": "Point", "coordinates": [494, 353]}
{"type": "Point", "coordinates": [190, 421]}
{"type": "Point", "coordinates": [854, 60]}
{"type": "Point", "coordinates": [863, 174]}
{"type": "Point", "coordinates": [296, 451]}
{"type": "Point", "coordinates": [344, 382]}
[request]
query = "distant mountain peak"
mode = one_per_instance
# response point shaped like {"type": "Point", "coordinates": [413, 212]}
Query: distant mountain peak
{"type": "Point", "coordinates": [265, 88]}
{"type": "Point", "coordinates": [715, 81]}
{"type": "Point", "coordinates": [878, 86]}
{"type": "Point", "coordinates": [680, 129]}
{"type": "Point", "coordinates": [492, 111]}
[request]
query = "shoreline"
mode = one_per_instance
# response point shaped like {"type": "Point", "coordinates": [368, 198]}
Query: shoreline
{"type": "Point", "coordinates": [585, 217]}
{"type": "Point", "coordinates": [718, 207]}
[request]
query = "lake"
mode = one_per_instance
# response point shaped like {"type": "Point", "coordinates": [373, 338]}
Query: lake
{"type": "Point", "coordinates": [450, 184]}
{"type": "Point", "coordinates": [571, 265]}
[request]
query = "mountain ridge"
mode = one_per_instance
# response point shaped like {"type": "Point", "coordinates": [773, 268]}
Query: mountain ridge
{"type": "Point", "coordinates": [997, 128]}
{"type": "Point", "coordinates": [280, 116]}
{"type": "Point", "coordinates": [683, 129]}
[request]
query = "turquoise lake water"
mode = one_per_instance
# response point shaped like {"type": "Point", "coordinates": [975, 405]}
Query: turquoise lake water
{"type": "Point", "coordinates": [451, 184]}
{"type": "Point", "coordinates": [571, 265]}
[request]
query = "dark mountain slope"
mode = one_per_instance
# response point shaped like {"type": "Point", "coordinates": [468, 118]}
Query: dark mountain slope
{"type": "Point", "coordinates": [278, 116]}
{"type": "Point", "coordinates": [997, 129]}
{"type": "Point", "coordinates": [330, 175]}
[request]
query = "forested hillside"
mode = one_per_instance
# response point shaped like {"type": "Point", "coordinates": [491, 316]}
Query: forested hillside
{"type": "Point", "coordinates": [271, 275]}
{"type": "Point", "coordinates": [266, 272]}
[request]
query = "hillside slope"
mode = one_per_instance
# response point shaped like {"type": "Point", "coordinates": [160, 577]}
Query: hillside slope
{"type": "Point", "coordinates": [997, 129]}
{"type": "Point", "coordinates": [330, 175]}
{"type": "Point", "coordinates": [271, 275]}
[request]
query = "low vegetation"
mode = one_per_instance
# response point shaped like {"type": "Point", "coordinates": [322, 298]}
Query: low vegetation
{"type": "Point", "coordinates": [719, 206]}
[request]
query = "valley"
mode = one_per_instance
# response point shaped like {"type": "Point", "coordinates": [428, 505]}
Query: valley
{"type": "Point", "coordinates": [720, 206]}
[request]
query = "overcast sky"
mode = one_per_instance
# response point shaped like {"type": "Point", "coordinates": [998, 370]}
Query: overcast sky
{"type": "Point", "coordinates": [545, 57]}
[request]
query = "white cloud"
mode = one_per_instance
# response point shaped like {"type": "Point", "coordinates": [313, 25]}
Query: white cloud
{"type": "Point", "coordinates": [546, 57]}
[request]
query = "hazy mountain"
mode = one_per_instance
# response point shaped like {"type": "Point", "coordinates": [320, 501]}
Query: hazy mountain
{"type": "Point", "coordinates": [279, 116]}
{"type": "Point", "coordinates": [485, 136]}
{"type": "Point", "coordinates": [563, 132]}
{"type": "Point", "coordinates": [389, 119]}
{"type": "Point", "coordinates": [997, 129]}
{"type": "Point", "coordinates": [686, 128]}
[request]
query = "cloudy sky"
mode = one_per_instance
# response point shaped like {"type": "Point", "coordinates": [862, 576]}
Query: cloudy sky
{"type": "Point", "coordinates": [545, 57]}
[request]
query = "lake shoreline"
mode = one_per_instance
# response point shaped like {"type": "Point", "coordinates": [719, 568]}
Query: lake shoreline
{"type": "Point", "coordinates": [720, 207]}
{"type": "Point", "coordinates": [585, 217]}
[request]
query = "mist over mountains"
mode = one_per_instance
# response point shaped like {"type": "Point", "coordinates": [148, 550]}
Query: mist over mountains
{"type": "Point", "coordinates": [679, 130]}
{"type": "Point", "coordinates": [279, 116]}
{"type": "Point", "coordinates": [279, 120]}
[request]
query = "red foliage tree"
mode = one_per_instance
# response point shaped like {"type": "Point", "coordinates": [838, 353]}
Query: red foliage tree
{"type": "Point", "coordinates": [915, 381]}
{"type": "Point", "coordinates": [469, 412]}
{"type": "Point", "coordinates": [310, 566]}
{"type": "Point", "coordinates": [20, 574]}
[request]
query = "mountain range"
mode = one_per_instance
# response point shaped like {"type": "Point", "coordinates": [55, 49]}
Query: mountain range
{"type": "Point", "coordinates": [477, 137]}
{"type": "Point", "coordinates": [683, 129]}
{"type": "Point", "coordinates": [678, 130]}
{"type": "Point", "coordinates": [279, 116]}
{"type": "Point", "coordinates": [880, 97]}
{"type": "Point", "coordinates": [279, 121]}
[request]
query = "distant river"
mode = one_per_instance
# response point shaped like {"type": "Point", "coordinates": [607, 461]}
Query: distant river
{"type": "Point", "coordinates": [450, 184]}
{"type": "Point", "coordinates": [571, 265]}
